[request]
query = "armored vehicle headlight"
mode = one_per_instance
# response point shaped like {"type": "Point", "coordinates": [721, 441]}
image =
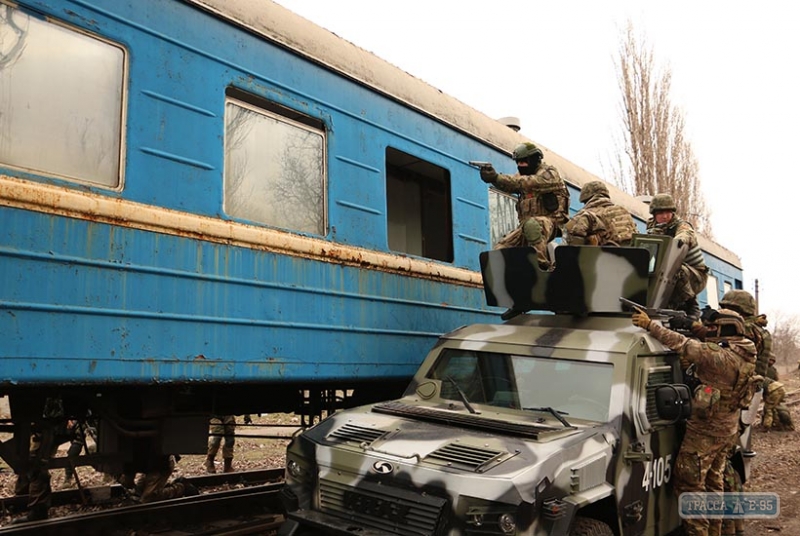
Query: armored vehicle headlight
{"type": "Point", "coordinates": [507, 523]}
{"type": "Point", "coordinates": [294, 469]}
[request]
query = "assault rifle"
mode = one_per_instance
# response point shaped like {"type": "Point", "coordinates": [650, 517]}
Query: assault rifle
{"type": "Point", "coordinates": [678, 320]}
{"type": "Point", "coordinates": [654, 312]}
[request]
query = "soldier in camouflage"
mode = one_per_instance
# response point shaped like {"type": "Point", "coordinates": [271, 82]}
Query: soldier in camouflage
{"type": "Point", "coordinates": [693, 274]}
{"type": "Point", "coordinates": [222, 432]}
{"type": "Point", "coordinates": [543, 200]}
{"type": "Point", "coordinates": [775, 416]}
{"type": "Point", "coordinates": [155, 486]}
{"type": "Point", "coordinates": [733, 483]}
{"type": "Point", "coordinates": [725, 364]}
{"type": "Point", "coordinates": [600, 222]}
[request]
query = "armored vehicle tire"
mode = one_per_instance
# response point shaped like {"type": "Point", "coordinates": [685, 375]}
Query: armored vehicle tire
{"type": "Point", "coordinates": [586, 526]}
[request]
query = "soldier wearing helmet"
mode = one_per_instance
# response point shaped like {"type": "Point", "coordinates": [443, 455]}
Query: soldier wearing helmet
{"type": "Point", "coordinates": [543, 200]}
{"type": "Point", "coordinates": [693, 274]}
{"type": "Point", "coordinates": [724, 363]}
{"type": "Point", "coordinates": [600, 222]}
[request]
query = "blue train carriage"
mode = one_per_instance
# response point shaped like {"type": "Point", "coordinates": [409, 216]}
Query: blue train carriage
{"type": "Point", "coordinates": [219, 207]}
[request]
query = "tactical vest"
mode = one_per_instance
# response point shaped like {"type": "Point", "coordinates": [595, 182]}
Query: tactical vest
{"type": "Point", "coordinates": [620, 227]}
{"type": "Point", "coordinates": [548, 197]}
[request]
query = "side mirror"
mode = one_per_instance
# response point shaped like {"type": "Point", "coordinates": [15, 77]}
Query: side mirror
{"type": "Point", "coordinates": [673, 402]}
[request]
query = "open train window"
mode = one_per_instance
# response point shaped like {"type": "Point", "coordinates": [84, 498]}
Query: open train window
{"type": "Point", "coordinates": [418, 207]}
{"type": "Point", "coordinates": [61, 96]}
{"type": "Point", "coordinates": [274, 165]}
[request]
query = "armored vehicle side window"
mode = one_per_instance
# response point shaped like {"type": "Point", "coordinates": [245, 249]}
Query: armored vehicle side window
{"type": "Point", "coordinates": [581, 389]}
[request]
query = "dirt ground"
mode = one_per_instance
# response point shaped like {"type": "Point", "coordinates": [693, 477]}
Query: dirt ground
{"type": "Point", "coordinates": [776, 468]}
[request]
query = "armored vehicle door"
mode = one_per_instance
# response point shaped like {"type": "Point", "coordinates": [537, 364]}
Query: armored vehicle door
{"type": "Point", "coordinates": [648, 449]}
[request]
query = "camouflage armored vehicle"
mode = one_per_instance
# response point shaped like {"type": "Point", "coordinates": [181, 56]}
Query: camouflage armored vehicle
{"type": "Point", "coordinates": [557, 424]}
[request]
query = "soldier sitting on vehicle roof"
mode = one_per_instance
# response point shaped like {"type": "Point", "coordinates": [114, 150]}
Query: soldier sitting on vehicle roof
{"type": "Point", "coordinates": [693, 274]}
{"type": "Point", "coordinates": [600, 222]}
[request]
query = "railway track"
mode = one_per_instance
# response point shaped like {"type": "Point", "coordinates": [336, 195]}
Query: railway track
{"type": "Point", "coordinates": [252, 508]}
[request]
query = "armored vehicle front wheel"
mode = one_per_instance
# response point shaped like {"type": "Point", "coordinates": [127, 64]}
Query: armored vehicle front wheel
{"type": "Point", "coordinates": [586, 526]}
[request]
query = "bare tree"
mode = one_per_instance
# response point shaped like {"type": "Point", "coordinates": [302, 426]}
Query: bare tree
{"type": "Point", "coordinates": [785, 331]}
{"type": "Point", "coordinates": [656, 156]}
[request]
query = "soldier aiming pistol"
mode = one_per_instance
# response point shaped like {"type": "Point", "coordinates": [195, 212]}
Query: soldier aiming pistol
{"type": "Point", "coordinates": [479, 164]}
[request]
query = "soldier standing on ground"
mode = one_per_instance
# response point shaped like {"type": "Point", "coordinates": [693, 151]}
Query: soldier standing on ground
{"type": "Point", "coordinates": [693, 274]}
{"type": "Point", "coordinates": [724, 364]}
{"type": "Point", "coordinates": [775, 414]}
{"type": "Point", "coordinates": [543, 200]}
{"type": "Point", "coordinates": [221, 432]}
{"type": "Point", "coordinates": [600, 222]}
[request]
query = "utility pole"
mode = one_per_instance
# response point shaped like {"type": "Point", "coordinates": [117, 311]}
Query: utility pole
{"type": "Point", "coordinates": [755, 294]}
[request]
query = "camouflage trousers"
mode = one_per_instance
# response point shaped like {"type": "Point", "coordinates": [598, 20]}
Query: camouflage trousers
{"type": "Point", "coordinates": [535, 232]}
{"type": "Point", "coordinates": [154, 486]}
{"type": "Point", "coordinates": [775, 414]}
{"type": "Point", "coordinates": [732, 483]}
{"type": "Point", "coordinates": [222, 427]}
{"type": "Point", "coordinates": [689, 283]}
{"type": "Point", "coordinates": [699, 468]}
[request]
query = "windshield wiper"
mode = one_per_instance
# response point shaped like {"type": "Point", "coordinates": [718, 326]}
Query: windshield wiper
{"type": "Point", "coordinates": [554, 412]}
{"type": "Point", "coordinates": [462, 395]}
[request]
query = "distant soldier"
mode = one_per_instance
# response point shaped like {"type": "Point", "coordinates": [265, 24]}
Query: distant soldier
{"type": "Point", "coordinates": [776, 415]}
{"type": "Point", "coordinates": [600, 222]}
{"type": "Point", "coordinates": [155, 485]}
{"type": "Point", "coordinates": [724, 365]}
{"type": "Point", "coordinates": [693, 274]}
{"type": "Point", "coordinates": [543, 200]}
{"type": "Point", "coordinates": [222, 431]}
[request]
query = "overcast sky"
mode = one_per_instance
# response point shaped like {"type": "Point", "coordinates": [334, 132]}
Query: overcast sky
{"type": "Point", "coordinates": [551, 63]}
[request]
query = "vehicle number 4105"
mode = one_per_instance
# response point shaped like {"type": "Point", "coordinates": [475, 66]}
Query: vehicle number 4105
{"type": "Point", "coordinates": [657, 472]}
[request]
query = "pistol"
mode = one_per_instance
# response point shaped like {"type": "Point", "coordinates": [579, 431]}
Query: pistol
{"type": "Point", "coordinates": [479, 164]}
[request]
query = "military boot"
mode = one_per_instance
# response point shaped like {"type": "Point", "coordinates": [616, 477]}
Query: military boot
{"type": "Point", "coordinates": [209, 464]}
{"type": "Point", "coordinates": [228, 465]}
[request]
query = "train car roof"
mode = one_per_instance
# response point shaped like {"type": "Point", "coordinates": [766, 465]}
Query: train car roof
{"type": "Point", "coordinates": [289, 30]}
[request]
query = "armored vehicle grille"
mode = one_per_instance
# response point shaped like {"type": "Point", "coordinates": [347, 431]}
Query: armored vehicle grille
{"type": "Point", "coordinates": [655, 378]}
{"type": "Point", "coordinates": [465, 455]}
{"type": "Point", "coordinates": [383, 508]}
{"type": "Point", "coordinates": [359, 434]}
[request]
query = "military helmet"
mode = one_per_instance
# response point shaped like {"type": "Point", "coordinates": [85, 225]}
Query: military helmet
{"type": "Point", "coordinates": [526, 150]}
{"type": "Point", "coordinates": [662, 202]}
{"type": "Point", "coordinates": [724, 325]}
{"type": "Point", "coordinates": [739, 300]}
{"type": "Point", "coordinates": [593, 188]}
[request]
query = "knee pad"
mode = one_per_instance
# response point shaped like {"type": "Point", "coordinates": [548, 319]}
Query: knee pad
{"type": "Point", "coordinates": [532, 231]}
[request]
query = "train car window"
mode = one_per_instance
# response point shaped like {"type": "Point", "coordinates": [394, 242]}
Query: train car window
{"type": "Point", "coordinates": [61, 98]}
{"type": "Point", "coordinates": [274, 166]}
{"type": "Point", "coordinates": [712, 291]}
{"type": "Point", "coordinates": [502, 214]}
{"type": "Point", "coordinates": [418, 207]}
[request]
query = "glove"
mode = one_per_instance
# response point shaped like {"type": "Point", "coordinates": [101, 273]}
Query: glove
{"type": "Point", "coordinates": [678, 322]}
{"type": "Point", "coordinates": [488, 174]}
{"type": "Point", "coordinates": [248, 419]}
{"type": "Point", "coordinates": [640, 319]}
{"type": "Point", "coordinates": [708, 314]}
